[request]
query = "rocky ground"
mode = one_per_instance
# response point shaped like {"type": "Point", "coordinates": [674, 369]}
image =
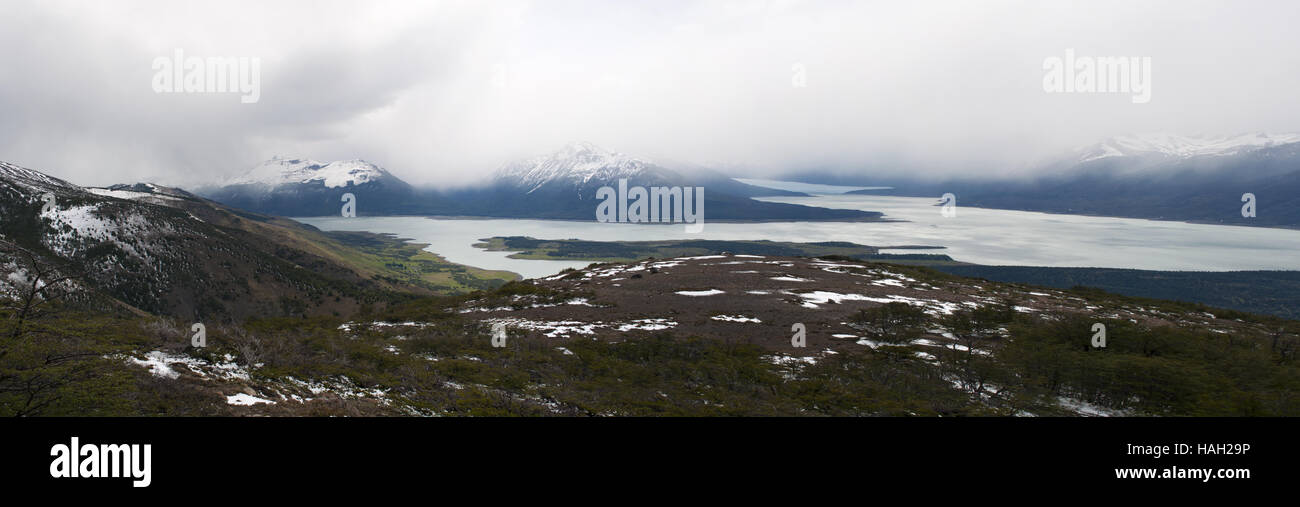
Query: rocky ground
{"type": "Point", "coordinates": [757, 300]}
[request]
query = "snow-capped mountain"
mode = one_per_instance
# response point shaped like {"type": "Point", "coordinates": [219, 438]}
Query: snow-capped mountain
{"type": "Point", "coordinates": [563, 184]}
{"type": "Point", "coordinates": [584, 167]}
{"type": "Point", "coordinates": [578, 164]}
{"type": "Point", "coordinates": [1181, 146]}
{"type": "Point", "coordinates": [286, 171]}
{"type": "Point", "coordinates": [306, 187]}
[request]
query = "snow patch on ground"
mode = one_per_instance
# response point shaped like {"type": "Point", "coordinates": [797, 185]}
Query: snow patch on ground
{"type": "Point", "coordinates": [783, 360]}
{"type": "Point", "coordinates": [246, 400]}
{"type": "Point", "coordinates": [565, 328]}
{"type": "Point", "coordinates": [736, 318]}
{"type": "Point", "coordinates": [1084, 408]}
{"type": "Point", "coordinates": [647, 325]}
{"type": "Point", "coordinates": [160, 364]}
{"type": "Point", "coordinates": [699, 293]}
{"type": "Point", "coordinates": [574, 302]}
{"type": "Point", "coordinates": [348, 326]}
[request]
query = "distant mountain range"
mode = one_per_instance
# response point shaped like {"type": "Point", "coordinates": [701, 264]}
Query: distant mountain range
{"type": "Point", "coordinates": [559, 185]}
{"type": "Point", "coordinates": [1156, 176]}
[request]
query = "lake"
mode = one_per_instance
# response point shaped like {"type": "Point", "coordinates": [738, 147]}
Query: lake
{"type": "Point", "coordinates": [984, 236]}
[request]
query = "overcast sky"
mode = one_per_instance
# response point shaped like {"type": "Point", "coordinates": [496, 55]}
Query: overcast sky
{"type": "Point", "coordinates": [445, 92]}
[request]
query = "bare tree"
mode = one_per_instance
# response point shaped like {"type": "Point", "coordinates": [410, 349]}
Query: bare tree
{"type": "Point", "coordinates": [41, 283]}
{"type": "Point", "coordinates": [35, 371]}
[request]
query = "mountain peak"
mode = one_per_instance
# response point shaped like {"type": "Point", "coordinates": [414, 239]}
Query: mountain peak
{"type": "Point", "coordinates": [576, 148]}
{"type": "Point", "coordinates": [577, 163]}
{"type": "Point", "coordinates": [284, 171]}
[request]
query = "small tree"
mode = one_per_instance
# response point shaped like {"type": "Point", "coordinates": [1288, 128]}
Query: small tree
{"type": "Point", "coordinates": [894, 323]}
{"type": "Point", "coordinates": [974, 330]}
{"type": "Point", "coordinates": [1283, 344]}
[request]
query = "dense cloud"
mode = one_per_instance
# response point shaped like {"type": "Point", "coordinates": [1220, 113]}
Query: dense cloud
{"type": "Point", "coordinates": [441, 93]}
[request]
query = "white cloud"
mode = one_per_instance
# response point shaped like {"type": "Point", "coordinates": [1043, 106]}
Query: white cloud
{"type": "Point", "coordinates": [443, 92]}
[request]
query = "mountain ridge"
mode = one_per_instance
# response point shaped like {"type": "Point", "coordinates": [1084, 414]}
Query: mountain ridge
{"type": "Point", "coordinates": [1183, 146]}
{"type": "Point", "coordinates": [558, 185]}
{"type": "Point", "coordinates": [1201, 182]}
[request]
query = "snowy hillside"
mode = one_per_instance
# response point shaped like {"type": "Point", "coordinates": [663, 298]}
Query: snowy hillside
{"type": "Point", "coordinates": [32, 180]}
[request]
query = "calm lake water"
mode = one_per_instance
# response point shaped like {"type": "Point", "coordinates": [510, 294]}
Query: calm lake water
{"type": "Point", "coordinates": [976, 235]}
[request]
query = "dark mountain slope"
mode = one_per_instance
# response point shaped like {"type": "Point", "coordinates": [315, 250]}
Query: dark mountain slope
{"type": "Point", "coordinates": [165, 251]}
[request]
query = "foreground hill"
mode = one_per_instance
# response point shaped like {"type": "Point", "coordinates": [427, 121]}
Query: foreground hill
{"type": "Point", "coordinates": [164, 251]}
{"type": "Point", "coordinates": [712, 335]}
